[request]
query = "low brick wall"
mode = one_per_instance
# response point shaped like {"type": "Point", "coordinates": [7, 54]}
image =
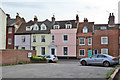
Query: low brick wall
{"type": "Point", "coordinates": [15, 56]}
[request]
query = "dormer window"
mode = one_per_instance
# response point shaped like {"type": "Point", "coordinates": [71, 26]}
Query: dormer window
{"type": "Point", "coordinates": [68, 26]}
{"type": "Point", "coordinates": [28, 28]}
{"type": "Point", "coordinates": [103, 27]}
{"type": "Point", "coordinates": [43, 27]}
{"type": "Point", "coordinates": [35, 27]}
{"type": "Point", "coordinates": [56, 26]}
{"type": "Point", "coordinates": [85, 30]}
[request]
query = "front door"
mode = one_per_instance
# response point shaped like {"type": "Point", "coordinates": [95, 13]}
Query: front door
{"type": "Point", "coordinates": [89, 53]}
{"type": "Point", "coordinates": [53, 51]}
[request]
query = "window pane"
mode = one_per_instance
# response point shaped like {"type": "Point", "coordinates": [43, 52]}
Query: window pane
{"type": "Point", "coordinates": [34, 38]}
{"type": "Point", "coordinates": [9, 40]}
{"type": "Point", "coordinates": [65, 37]}
{"type": "Point", "coordinates": [82, 52]}
{"type": "Point", "coordinates": [82, 41]}
{"type": "Point", "coordinates": [10, 30]}
{"type": "Point", "coordinates": [43, 50]}
{"type": "Point", "coordinates": [65, 50]}
{"type": "Point", "coordinates": [42, 38]}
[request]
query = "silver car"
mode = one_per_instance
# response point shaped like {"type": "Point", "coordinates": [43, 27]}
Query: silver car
{"type": "Point", "coordinates": [100, 59]}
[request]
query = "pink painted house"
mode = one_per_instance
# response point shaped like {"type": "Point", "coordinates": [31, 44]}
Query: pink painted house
{"type": "Point", "coordinates": [63, 38]}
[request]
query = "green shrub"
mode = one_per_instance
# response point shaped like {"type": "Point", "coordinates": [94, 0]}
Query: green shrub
{"type": "Point", "coordinates": [111, 72]}
{"type": "Point", "coordinates": [38, 58]}
{"type": "Point", "coordinates": [20, 63]}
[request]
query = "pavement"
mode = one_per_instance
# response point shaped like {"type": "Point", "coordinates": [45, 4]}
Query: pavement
{"type": "Point", "coordinates": [62, 69]}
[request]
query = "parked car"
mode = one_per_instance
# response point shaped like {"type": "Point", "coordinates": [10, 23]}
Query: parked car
{"type": "Point", "coordinates": [50, 58]}
{"type": "Point", "coordinates": [100, 59]}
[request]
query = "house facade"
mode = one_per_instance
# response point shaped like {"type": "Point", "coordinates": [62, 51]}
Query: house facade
{"type": "Point", "coordinates": [84, 39]}
{"type": "Point", "coordinates": [106, 39]}
{"type": "Point", "coordinates": [34, 35]}
{"type": "Point", "coordinates": [63, 38]}
{"type": "Point", "coordinates": [2, 29]}
{"type": "Point", "coordinates": [12, 26]}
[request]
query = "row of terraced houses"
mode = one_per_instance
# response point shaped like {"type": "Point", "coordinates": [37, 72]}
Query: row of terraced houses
{"type": "Point", "coordinates": [64, 38]}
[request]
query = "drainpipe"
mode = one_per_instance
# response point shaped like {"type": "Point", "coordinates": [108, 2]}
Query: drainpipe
{"type": "Point", "coordinates": [30, 41]}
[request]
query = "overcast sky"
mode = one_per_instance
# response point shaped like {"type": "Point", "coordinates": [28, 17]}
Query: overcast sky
{"type": "Point", "coordinates": [95, 10]}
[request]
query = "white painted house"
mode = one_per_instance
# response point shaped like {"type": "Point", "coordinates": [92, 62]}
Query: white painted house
{"type": "Point", "coordinates": [2, 29]}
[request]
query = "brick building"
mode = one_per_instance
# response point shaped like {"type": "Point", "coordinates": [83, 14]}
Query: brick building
{"type": "Point", "coordinates": [84, 38]}
{"type": "Point", "coordinates": [12, 26]}
{"type": "Point", "coordinates": [106, 38]}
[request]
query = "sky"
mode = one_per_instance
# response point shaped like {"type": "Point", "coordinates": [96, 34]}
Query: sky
{"type": "Point", "coordinates": [95, 10]}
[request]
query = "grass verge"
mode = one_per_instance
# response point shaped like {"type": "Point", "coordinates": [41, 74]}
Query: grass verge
{"type": "Point", "coordinates": [111, 72]}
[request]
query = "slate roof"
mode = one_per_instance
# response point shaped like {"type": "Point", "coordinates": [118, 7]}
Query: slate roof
{"type": "Point", "coordinates": [62, 23]}
{"type": "Point", "coordinates": [22, 28]}
{"type": "Point", "coordinates": [11, 22]}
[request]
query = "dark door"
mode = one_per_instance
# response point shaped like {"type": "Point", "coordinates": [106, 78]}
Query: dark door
{"type": "Point", "coordinates": [53, 51]}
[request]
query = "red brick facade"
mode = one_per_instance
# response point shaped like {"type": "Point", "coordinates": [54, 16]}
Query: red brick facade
{"type": "Point", "coordinates": [10, 35]}
{"type": "Point", "coordinates": [85, 36]}
{"type": "Point", "coordinates": [15, 56]}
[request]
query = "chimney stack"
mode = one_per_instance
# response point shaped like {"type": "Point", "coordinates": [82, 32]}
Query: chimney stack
{"type": "Point", "coordinates": [53, 19]}
{"type": "Point", "coordinates": [35, 19]}
{"type": "Point", "coordinates": [77, 18]}
{"type": "Point", "coordinates": [85, 20]}
{"type": "Point", "coordinates": [8, 16]}
{"type": "Point", "coordinates": [111, 19]}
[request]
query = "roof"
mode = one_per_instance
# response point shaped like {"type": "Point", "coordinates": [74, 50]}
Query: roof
{"type": "Point", "coordinates": [89, 26]}
{"type": "Point", "coordinates": [22, 28]}
{"type": "Point", "coordinates": [11, 22]}
{"type": "Point", "coordinates": [108, 27]}
{"type": "Point", "coordinates": [62, 23]}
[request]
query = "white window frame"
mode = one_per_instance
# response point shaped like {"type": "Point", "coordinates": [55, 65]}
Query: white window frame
{"type": "Point", "coordinates": [33, 38]}
{"type": "Point", "coordinates": [51, 38]}
{"type": "Point", "coordinates": [56, 26]}
{"type": "Point", "coordinates": [43, 25]}
{"type": "Point", "coordinates": [89, 40]}
{"type": "Point", "coordinates": [103, 50]}
{"type": "Point", "coordinates": [67, 38]}
{"type": "Point", "coordinates": [103, 27]}
{"type": "Point", "coordinates": [34, 27]}
{"type": "Point", "coordinates": [9, 42]}
{"type": "Point", "coordinates": [28, 28]}
{"type": "Point", "coordinates": [9, 30]}
{"type": "Point", "coordinates": [41, 50]}
{"type": "Point", "coordinates": [85, 29]}
{"type": "Point", "coordinates": [79, 52]}
{"type": "Point", "coordinates": [84, 41]}
{"type": "Point", "coordinates": [41, 38]}
{"type": "Point", "coordinates": [68, 26]}
{"type": "Point", "coordinates": [67, 50]}
{"type": "Point", "coordinates": [102, 40]}
{"type": "Point", "coordinates": [22, 39]}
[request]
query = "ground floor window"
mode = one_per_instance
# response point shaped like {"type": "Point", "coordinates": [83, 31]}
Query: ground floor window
{"type": "Point", "coordinates": [43, 50]}
{"type": "Point", "coordinates": [104, 51]}
{"type": "Point", "coordinates": [82, 52]}
{"type": "Point", "coordinates": [65, 50]}
{"type": "Point", "coordinates": [16, 47]}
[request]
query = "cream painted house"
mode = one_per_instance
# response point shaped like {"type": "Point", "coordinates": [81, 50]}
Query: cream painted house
{"type": "Point", "coordinates": [2, 29]}
{"type": "Point", "coordinates": [40, 43]}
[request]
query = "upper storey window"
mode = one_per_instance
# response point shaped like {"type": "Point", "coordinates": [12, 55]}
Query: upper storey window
{"type": "Point", "coordinates": [35, 27]}
{"type": "Point", "coordinates": [43, 27]}
{"type": "Point", "coordinates": [85, 29]}
{"type": "Point", "coordinates": [68, 26]}
{"type": "Point", "coordinates": [28, 28]}
{"type": "Point", "coordinates": [56, 27]}
{"type": "Point", "coordinates": [103, 27]}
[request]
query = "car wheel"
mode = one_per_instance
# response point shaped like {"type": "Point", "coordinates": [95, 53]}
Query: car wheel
{"type": "Point", "coordinates": [106, 64]}
{"type": "Point", "coordinates": [84, 63]}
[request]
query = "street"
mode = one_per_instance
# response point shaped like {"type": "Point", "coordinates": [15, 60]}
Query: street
{"type": "Point", "coordinates": [62, 69]}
